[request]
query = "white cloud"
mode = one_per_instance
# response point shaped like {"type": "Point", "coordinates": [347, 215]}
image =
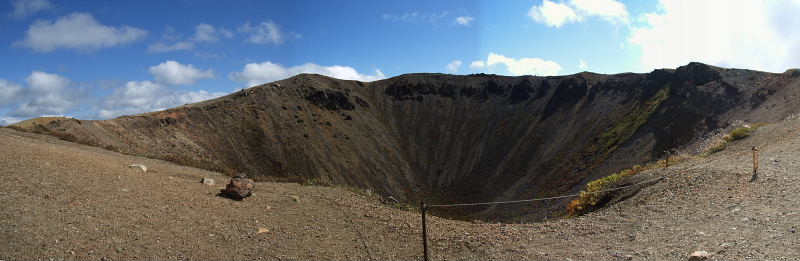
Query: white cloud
{"type": "Point", "coordinates": [522, 66]}
{"type": "Point", "coordinates": [208, 33]}
{"type": "Point", "coordinates": [416, 17]}
{"type": "Point", "coordinates": [161, 47]}
{"type": "Point", "coordinates": [746, 34]}
{"type": "Point", "coordinates": [553, 14]}
{"type": "Point", "coordinates": [609, 10]}
{"type": "Point", "coordinates": [464, 20]}
{"type": "Point", "coordinates": [25, 8]}
{"type": "Point", "coordinates": [266, 33]}
{"type": "Point", "coordinates": [52, 94]}
{"type": "Point", "coordinates": [477, 65]}
{"type": "Point", "coordinates": [4, 121]}
{"type": "Point", "coordinates": [145, 96]}
{"type": "Point", "coordinates": [453, 66]}
{"type": "Point", "coordinates": [78, 31]}
{"type": "Point", "coordinates": [174, 73]}
{"type": "Point", "coordinates": [558, 14]}
{"type": "Point", "coordinates": [9, 92]}
{"type": "Point", "coordinates": [47, 94]}
{"type": "Point", "coordinates": [203, 33]}
{"type": "Point", "coordinates": [259, 73]}
{"type": "Point", "coordinates": [582, 64]}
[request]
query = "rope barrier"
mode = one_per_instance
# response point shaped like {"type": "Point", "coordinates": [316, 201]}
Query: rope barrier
{"type": "Point", "coordinates": [541, 199]}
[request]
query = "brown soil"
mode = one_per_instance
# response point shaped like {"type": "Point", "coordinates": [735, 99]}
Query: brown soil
{"type": "Point", "coordinates": [62, 200]}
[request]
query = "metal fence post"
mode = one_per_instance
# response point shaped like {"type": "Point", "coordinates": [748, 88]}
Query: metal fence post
{"type": "Point", "coordinates": [755, 164]}
{"type": "Point", "coordinates": [423, 207]}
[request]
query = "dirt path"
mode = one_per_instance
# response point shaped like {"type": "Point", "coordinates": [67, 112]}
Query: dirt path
{"type": "Point", "coordinates": [67, 201]}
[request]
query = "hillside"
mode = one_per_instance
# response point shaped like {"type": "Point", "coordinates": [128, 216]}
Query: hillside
{"type": "Point", "coordinates": [62, 200]}
{"type": "Point", "coordinates": [448, 138]}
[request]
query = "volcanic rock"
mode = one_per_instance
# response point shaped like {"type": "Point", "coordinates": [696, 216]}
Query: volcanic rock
{"type": "Point", "coordinates": [238, 188]}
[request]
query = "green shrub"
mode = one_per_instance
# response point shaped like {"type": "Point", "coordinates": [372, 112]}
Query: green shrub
{"type": "Point", "coordinates": [321, 180]}
{"type": "Point", "coordinates": [734, 135]}
{"type": "Point", "coordinates": [738, 134]}
{"type": "Point", "coordinates": [590, 198]}
{"type": "Point", "coordinates": [717, 148]}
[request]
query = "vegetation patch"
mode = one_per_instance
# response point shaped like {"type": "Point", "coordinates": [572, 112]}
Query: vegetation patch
{"type": "Point", "coordinates": [734, 135]}
{"type": "Point", "coordinates": [321, 180]}
{"type": "Point", "coordinates": [593, 196]}
{"type": "Point", "coordinates": [626, 126]}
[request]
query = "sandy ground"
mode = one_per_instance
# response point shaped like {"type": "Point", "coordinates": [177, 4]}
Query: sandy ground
{"type": "Point", "coordinates": [62, 200]}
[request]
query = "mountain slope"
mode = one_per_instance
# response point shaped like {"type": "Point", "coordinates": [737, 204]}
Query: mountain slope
{"type": "Point", "coordinates": [63, 200]}
{"type": "Point", "coordinates": [446, 138]}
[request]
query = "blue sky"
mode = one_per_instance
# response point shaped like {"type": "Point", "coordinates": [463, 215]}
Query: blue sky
{"type": "Point", "coordinates": [102, 59]}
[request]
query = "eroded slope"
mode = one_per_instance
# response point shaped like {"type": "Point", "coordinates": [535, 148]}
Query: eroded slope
{"type": "Point", "coordinates": [446, 138]}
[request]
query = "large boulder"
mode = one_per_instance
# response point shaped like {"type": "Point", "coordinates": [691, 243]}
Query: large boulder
{"type": "Point", "coordinates": [240, 187]}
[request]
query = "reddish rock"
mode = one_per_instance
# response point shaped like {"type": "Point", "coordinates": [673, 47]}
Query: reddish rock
{"type": "Point", "coordinates": [238, 188]}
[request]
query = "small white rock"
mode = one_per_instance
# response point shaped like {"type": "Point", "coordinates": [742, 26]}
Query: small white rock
{"type": "Point", "coordinates": [700, 255]}
{"type": "Point", "coordinates": [207, 181]}
{"type": "Point", "coordinates": [141, 167]}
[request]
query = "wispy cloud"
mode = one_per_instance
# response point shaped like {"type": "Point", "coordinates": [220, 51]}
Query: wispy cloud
{"type": "Point", "coordinates": [203, 33]}
{"type": "Point", "coordinates": [25, 8]}
{"type": "Point", "coordinates": [464, 20]}
{"type": "Point", "coordinates": [208, 33]}
{"type": "Point", "coordinates": [161, 47]}
{"type": "Point", "coordinates": [266, 32]}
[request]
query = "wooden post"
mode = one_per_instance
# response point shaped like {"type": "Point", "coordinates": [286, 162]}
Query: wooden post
{"type": "Point", "coordinates": [666, 159]}
{"type": "Point", "coordinates": [755, 164]}
{"type": "Point", "coordinates": [423, 207]}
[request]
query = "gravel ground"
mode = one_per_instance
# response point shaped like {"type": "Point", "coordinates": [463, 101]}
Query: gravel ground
{"type": "Point", "coordinates": [62, 200]}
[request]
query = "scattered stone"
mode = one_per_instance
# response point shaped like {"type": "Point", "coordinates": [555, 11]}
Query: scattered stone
{"type": "Point", "coordinates": [628, 257]}
{"type": "Point", "coordinates": [207, 181]}
{"type": "Point", "coordinates": [141, 167]}
{"type": "Point", "coordinates": [262, 230]}
{"type": "Point", "coordinates": [239, 188]}
{"type": "Point", "coordinates": [700, 255]}
{"type": "Point", "coordinates": [393, 200]}
{"type": "Point", "coordinates": [295, 198]}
